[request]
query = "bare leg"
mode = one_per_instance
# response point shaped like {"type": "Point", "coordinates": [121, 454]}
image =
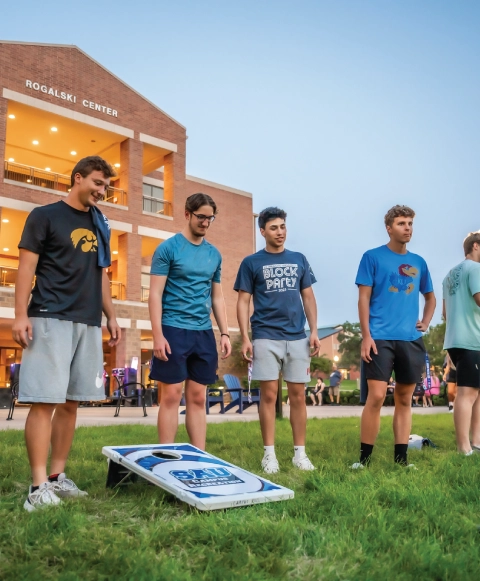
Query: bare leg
{"type": "Point", "coordinates": [370, 423]}
{"type": "Point", "coordinates": [338, 397]}
{"type": "Point", "coordinates": [330, 395]}
{"type": "Point", "coordinates": [476, 421]}
{"type": "Point", "coordinates": [298, 412]}
{"type": "Point", "coordinates": [462, 416]}
{"type": "Point", "coordinates": [167, 421]}
{"type": "Point", "coordinates": [63, 430]}
{"type": "Point", "coordinates": [312, 397]}
{"type": "Point", "coordinates": [451, 392]}
{"type": "Point", "coordinates": [268, 398]}
{"type": "Point", "coordinates": [38, 429]}
{"type": "Point", "coordinates": [402, 416]}
{"type": "Point", "coordinates": [196, 415]}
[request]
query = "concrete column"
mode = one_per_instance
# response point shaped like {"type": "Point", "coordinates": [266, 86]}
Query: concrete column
{"type": "Point", "coordinates": [3, 132]}
{"type": "Point", "coordinates": [129, 265]}
{"type": "Point", "coordinates": [131, 174]}
{"type": "Point", "coordinates": [128, 347]}
{"type": "Point", "coordinates": [174, 185]}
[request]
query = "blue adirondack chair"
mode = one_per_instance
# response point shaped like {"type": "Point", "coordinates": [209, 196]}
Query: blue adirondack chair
{"type": "Point", "coordinates": [239, 394]}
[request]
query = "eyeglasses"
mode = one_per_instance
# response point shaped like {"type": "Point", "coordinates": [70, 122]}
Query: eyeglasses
{"type": "Point", "coordinates": [202, 217]}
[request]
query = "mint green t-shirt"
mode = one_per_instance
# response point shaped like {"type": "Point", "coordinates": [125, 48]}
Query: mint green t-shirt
{"type": "Point", "coordinates": [463, 313]}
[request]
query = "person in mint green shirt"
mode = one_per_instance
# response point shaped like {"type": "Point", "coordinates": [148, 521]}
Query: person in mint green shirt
{"type": "Point", "coordinates": [461, 309]}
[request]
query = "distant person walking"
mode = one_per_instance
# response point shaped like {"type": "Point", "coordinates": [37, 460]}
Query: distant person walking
{"type": "Point", "coordinates": [461, 309]}
{"type": "Point", "coordinates": [434, 388]}
{"type": "Point", "coordinates": [450, 378]}
{"type": "Point", "coordinates": [390, 280]}
{"type": "Point", "coordinates": [334, 387]}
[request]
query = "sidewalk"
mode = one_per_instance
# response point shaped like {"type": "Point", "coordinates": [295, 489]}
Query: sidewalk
{"type": "Point", "coordinates": [103, 416]}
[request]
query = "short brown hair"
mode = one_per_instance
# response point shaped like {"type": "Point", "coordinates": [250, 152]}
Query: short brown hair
{"type": "Point", "coordinates": [470, 241]}
{"type": "Point", "coordinates": [397, 212]}
{"type": "Point", "coordinates": [92, 163]}
{"type": "Point", "coordinates": [196, 201]}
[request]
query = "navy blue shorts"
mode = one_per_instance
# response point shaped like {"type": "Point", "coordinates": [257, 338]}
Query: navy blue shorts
{"type": "Point", "coordinates": [194, 356]}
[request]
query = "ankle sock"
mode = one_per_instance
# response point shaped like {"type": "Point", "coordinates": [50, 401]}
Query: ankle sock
{"type": "Point", "coordinates": [400, 454]}
{"type": "Point", "coordinates": [269, 450]}
{"type": "Point", "coordinates": [299, 452]}
{"type": "Point", "coordinates": [35, 488]}
{"type": "Point", "coordinates": [53, 477]}
{"type": "Point", "coordinates": [365, 453]}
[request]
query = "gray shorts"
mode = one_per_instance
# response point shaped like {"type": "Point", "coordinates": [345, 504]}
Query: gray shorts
{"type": "Point", "coordinates": [291, 358]}
{"type": "Point", "coordinates": [63, 361]}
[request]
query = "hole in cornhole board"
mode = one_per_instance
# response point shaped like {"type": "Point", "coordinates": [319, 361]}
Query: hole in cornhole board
{"type": "Point", "coordinates": [165, 455]}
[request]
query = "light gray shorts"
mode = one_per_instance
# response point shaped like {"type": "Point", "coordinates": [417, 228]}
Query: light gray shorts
{"type": "Point", "coordinates": [291, 358]}
{"type": "Point", "coordinates": [63, 361]}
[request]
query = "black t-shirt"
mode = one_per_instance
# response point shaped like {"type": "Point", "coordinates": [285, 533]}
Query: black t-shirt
{"type": "Point", "coordinates": [69, 281]}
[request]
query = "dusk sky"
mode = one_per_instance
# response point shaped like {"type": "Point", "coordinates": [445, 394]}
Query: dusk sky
{"type": "Point", "coordinates": [334, 111]}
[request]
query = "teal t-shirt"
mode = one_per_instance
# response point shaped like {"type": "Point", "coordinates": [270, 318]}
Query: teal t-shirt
{"type": "Point", "coordinates": [190, 270]}
{"type": "Point", "coordinates": [463, 314]}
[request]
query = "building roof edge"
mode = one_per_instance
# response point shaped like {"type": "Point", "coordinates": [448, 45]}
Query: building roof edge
{"type": "Point", "coordinates": [74, 46]}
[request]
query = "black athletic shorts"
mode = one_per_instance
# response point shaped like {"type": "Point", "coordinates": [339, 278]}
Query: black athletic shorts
{"type": "Point", "coordinates": [194, 356]}
{"type": "Point", "coordinates": [452, 376]}
{"type": "Point", "coordinates": [405, 358]}
{"type": "Point", "coordinates": [467, 363]}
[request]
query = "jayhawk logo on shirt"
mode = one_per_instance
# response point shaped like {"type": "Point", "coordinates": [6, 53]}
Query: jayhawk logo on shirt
{"type": "Point", "coordinates": [402, 281]}
{"type": "Point", "coordinates": [86, 237]}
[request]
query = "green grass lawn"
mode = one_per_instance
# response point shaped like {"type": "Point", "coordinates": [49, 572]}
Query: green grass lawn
{"type": "Point", "coordinates": [383, 523]}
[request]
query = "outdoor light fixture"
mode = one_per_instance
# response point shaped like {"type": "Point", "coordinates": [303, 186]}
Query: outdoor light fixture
{"type": "Point", "coordinates": [114, 251]}
{"type": "Point", "coordinates": [11, 159]}
{"type": "Point", "coordinates": [53, 129]}
{"type": "Point", "coordinates": [12, 116]}
{"type": "Point", "coordinates": [5, 220]}
{"type": "Point", "coordinates": [47, 169]}
{"type": "Point", "coordinates": [35, 142]}
{"type": "Point", "coordinates": [73, 153]}
{"type": "Point", "coordinates": [29, 181]}
{"type": "Point", "coordinates": [6, 249]}
{"type": "Point", "coordinates": [117, 165]}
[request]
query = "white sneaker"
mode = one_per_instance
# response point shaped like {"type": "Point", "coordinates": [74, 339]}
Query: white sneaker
{"type": "Point", "coordinates": [270, 464]}
{"type": "Point", "coordinates": [43, 497]}
{"type": "Point", "coordinates": [357, 466]}
{"type": "Point", "coordinates": [303, 463]}
{"type": "Point", "coordinates": [411, 467]}
{"type": "Point", "coordinates": [65, 487]}
{"type": "Point", "coordinates": [450, 409]}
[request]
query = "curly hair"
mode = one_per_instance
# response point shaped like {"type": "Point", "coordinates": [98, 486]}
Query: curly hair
{"type": "Point", "coordinates": [397, 212]}
{"type": "Point", "coordinates": [269, 214]}
{"type": "Point", "coordinates": [92, 163]}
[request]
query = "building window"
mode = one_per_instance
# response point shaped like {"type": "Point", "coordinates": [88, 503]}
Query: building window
{"type": "Point", "coordinates": [153, 200]}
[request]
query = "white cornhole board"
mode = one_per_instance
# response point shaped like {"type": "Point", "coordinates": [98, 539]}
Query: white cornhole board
{"type": "Point", "coordinates": [194, 476]}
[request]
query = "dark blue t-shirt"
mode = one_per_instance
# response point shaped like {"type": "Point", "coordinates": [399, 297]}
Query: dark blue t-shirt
{"type": "Point", "coordinates": [275, 281]}
{"type": "Point", "coordinates": [396, 281]}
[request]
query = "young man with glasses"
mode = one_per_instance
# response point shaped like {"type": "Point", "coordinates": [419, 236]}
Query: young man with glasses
{"type": "Point", "coordinates": [280, 282]}
{"type": "Point", "coordinates": [390, 280]}
{"type": "Point", "coordinates": [184, 289]}
{"type": "Point", "coordinates": [461, 309]}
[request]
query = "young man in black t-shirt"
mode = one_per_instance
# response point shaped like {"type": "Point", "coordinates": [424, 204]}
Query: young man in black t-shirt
{"type": "Point", "coordinates": [66, 246]}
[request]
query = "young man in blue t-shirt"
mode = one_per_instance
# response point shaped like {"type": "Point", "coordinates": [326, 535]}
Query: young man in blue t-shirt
{"type": "Point", "coordinates": [389, 281]}
{"type": "Point", "coordinates": [184, 289]}
{"type": "Point", "coordinates": [461, 309]}
{"type": "Point", "coordinates": [279, 281]}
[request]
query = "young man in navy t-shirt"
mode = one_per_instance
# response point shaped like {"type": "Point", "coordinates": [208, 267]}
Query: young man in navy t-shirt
{"type": "Point", "coordinates": [280, 282]}
{"type": "Point", "coordinates": [389, 281]}
{"type": "Point", "coordinates": [184, 290]}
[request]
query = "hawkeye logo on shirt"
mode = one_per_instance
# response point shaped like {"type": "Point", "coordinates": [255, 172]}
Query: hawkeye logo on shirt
{"type": "Point", "coordinates": [87, 239]}
{"type": "Point", "coordinates": [280, 277]}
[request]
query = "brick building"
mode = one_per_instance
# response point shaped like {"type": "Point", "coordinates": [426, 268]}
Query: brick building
{"type": "Point", "coordinates": [58, 105]}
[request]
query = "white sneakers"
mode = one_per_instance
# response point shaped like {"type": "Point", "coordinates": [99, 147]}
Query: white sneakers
{"type": "Point", "coordinates": [303, 463]}
{"type": "Point", "coordinates": [357, 466]}
{"type": "Point", "coordinates": [270, 464]}
{"type": "Point", "coordinates": [64, 487]}
{"type": "Point", "coordinates": [50, 493]}
{"type": "Point", "coordinates": [43, 497]}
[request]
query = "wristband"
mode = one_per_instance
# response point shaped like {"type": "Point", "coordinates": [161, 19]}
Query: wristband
{"type": "Point", "coordinates": [224, 335]}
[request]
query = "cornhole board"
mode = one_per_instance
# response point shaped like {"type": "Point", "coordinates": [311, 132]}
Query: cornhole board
{"type": "Point", "coordinates": [192, 475]}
